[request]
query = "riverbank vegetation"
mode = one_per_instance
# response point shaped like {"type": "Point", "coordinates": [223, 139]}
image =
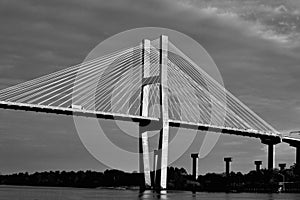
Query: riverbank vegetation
{"type": "Point", "coordinates": [178, 179]}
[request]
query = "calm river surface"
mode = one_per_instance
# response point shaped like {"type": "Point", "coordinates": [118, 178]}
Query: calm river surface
{"type": "Point", "coordinates": [45, 193]}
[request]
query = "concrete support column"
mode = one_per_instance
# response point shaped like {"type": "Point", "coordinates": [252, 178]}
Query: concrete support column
{"type": "Point", "coordinates": [155, 158]}
{"type": "Point", "coordinates": [258, 164]}
{"type": "Point", "coordinates": [298, 156]}
{"type": "Point", "coordinates": [227, 160]}
{"type": "Point", "coordinates": [164, 133]}
{"type": "Point", "coordinates": [271, 156]}
{"type": "Point", "coordinates": [195, 157]}
{"type": "Point", "coordinates": [271, 142]}
{"type": "Point", "coordinates": [282, 166]}
{"type": "Point", "coordinates": [144, 160]}
{"type": "Point", "coordinates": [295, 144]}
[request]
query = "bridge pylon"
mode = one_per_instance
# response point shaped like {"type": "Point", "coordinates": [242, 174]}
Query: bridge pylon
{"type": "Point", "coordinates": [163, 148]}
{"type": "Point", "coordinates": [160, 181]}
{"type": "Point", "coordinates": [144, 161]}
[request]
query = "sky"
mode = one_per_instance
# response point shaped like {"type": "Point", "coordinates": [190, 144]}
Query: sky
{"type": "Point", "coordinates": [255, 44]}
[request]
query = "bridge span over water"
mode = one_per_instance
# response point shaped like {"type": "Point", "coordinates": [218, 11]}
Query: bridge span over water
{"type": "Point", "coordinates": [151, 82]}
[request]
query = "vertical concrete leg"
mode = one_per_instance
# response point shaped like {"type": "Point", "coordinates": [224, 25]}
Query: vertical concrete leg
{"type": "Point", "coordinates": [194, 169]}
{"type": "Point", "coordinates": [163, 158]}
{"type": "Point", "coordinates": [143, 138]}
{"type": "Point", "coordinates": [282, 166]}
{"type": "Point", "coordinates": [227, 168]}
{"type": "Point", "coordinates": [164, 133]}
{"type": "Point", "coordinates": [298, 156]}
{"type": "Point", "coordinates": [271, 153]}
{"type": "Point", "coordinates": [295, 144]}
{"type": "Point", "coordinates": [155, 158]}
{"type": "Point", "coordinates": [195, 165]}
{"type": "Point", "coordinates": [271, 156]}
{"type": "Point", "coordinates": [297, 159]}
{"type": "Point", "coordinates": [144, 160]}
{"type": "Point", "coordinates": [258, 164]}
{"type": "Point", "coordinates": [227, 165]}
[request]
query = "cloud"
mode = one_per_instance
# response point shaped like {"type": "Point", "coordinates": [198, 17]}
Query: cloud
{"type": "Point", "coordinates": [276, 21]}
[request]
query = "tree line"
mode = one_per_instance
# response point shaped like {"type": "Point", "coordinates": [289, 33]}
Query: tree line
{"type": "Point", "coordinates": [178, 179]}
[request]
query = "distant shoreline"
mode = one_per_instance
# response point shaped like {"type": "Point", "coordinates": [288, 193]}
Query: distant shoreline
{"type": "Point", "coordinates": [263, 181]}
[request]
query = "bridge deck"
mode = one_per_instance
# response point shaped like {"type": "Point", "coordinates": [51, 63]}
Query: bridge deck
{"type": "Point", "coordinates": [72, 111]}
{"type": "Point", "coordinates": [291, 140]}
{"type": "Point", "coordinates": [134, 118]}
{"type": "Point", "coordinates": [227, 130]}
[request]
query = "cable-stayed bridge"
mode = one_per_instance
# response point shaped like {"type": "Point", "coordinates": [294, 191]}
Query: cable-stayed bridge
{"type": "Point", "coordinates": [152, 83]}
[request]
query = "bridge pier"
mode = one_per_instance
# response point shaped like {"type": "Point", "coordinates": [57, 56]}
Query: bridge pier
{"type": "Point", "coordinates": [297, 167]}
{"type": "Point", "coordinates": [258, 164]}
{"type": "Point", "coordinates": [271, 153]}
{"type": "Point", "coordinates": [282, 166]}
{"type": "Point", "coordinates": [195, 157]}
{"type": "Point", "coordinates": [296, 145]}
{"type": "Point", "coordinates": [271, 156]}
{"type": "Point", "coordinates": [155, 158]}
{"type": "Point", "coordinates": [298, 158]}
{"type": "Point", "coordinates": [297, 164]}
{"type": "Point", "coordinates": [227, 160]}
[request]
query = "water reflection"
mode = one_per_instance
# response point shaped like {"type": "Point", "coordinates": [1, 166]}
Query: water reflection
{"type": "Point", "coordinates": [153, 195]}
{"type": "Point", "coordinates": [178, 195]}
{"type": "Point", "coordinates": [47, 193]}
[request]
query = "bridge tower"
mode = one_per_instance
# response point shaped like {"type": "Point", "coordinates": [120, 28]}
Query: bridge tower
{"type": "Point", "coordinates": [144, 160]}
{"type": "Point", "coordinates": [163, 148]}
{"type": "Point", "coordinates": [163, 124]}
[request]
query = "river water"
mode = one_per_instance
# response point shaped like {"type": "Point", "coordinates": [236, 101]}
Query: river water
{"type": "Point", "coordinates": [49, 193]}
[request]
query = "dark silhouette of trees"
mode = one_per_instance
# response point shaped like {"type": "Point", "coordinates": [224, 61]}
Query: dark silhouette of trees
{"type": "Point", "coordinates": [178, 179]}
{"type": "Point", "coordinates": [87, 179]}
